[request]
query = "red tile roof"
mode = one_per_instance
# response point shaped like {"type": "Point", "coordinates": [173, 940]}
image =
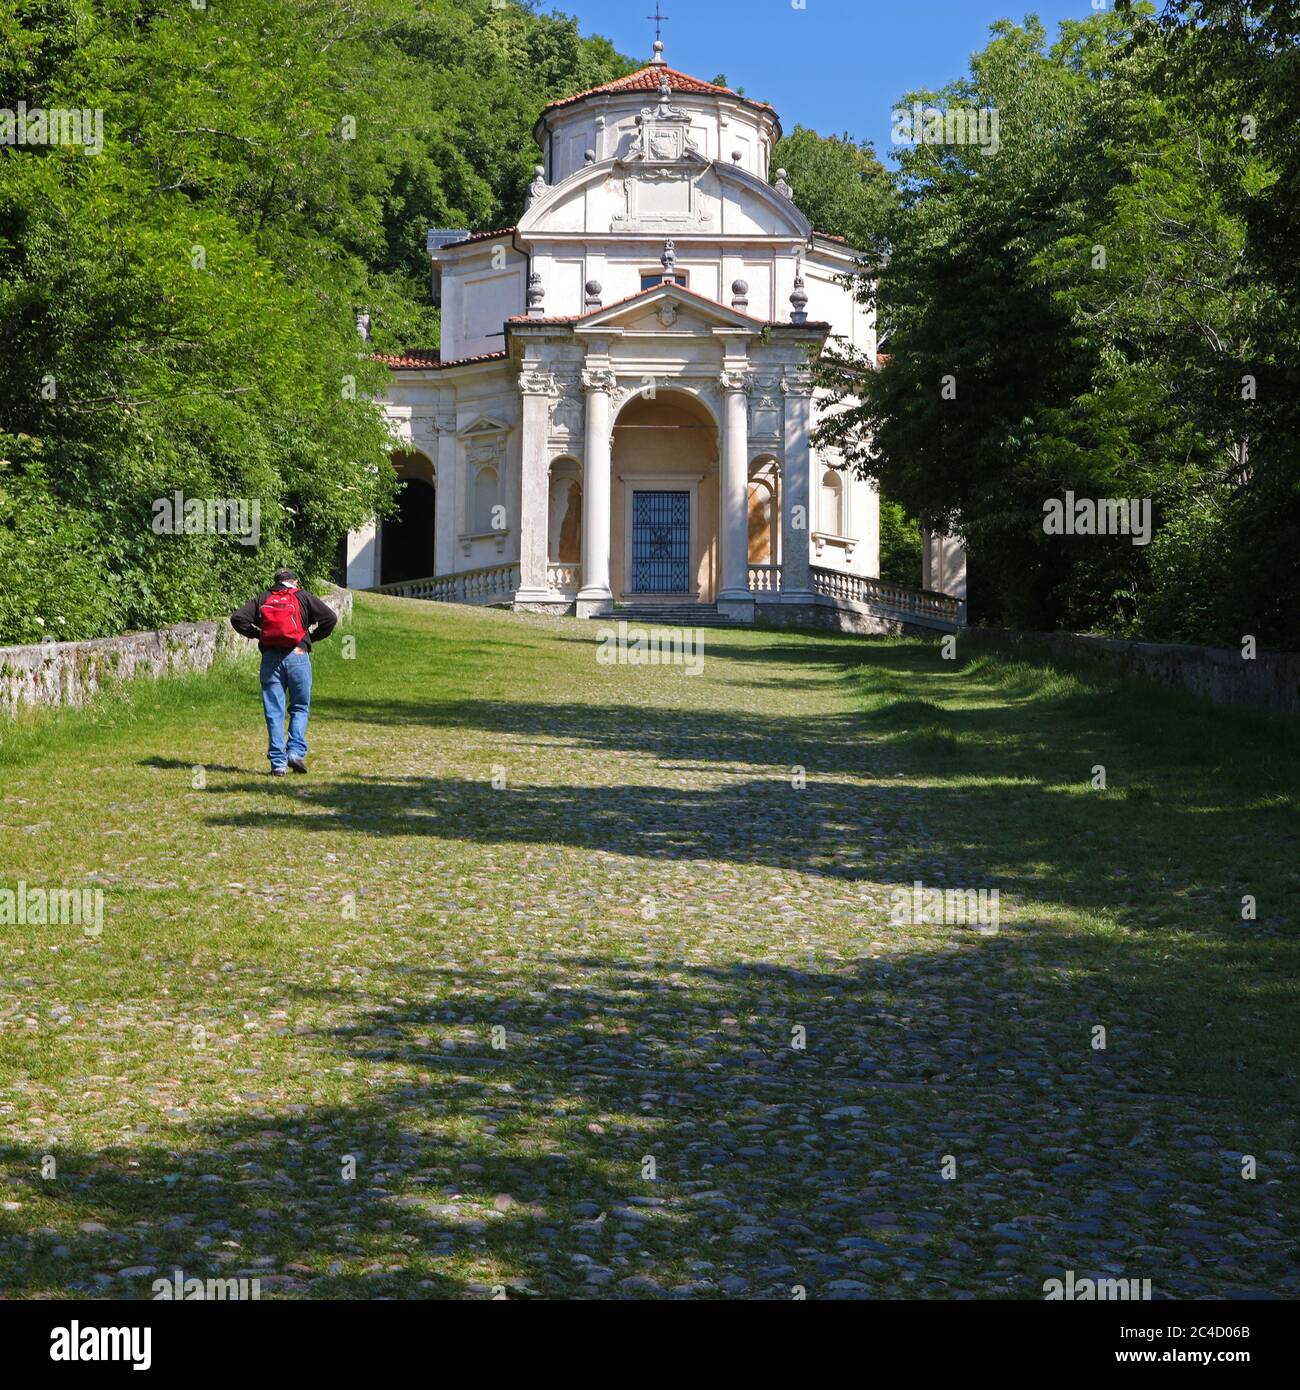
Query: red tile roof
{"type": "Point", "coordinates": [416, 357]}
{"type": "Point", "coordinates": [478, 236]}
{"type": "Point", "coordinates": [640, 294]}
{"type": "Point", "coordinates": [614, 304]}
{"type": "Point", "coordinates": [646, 79]}
{"type": "Point", "coordinates": [429, 359]}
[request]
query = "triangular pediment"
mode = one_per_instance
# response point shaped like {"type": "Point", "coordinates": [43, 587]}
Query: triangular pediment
{"type": "Point", "coordinates": [484, 424]}
{"type": "Point", "coordinates": [668, 309]}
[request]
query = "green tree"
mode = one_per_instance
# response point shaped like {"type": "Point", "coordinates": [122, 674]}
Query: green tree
{"type": "Point", "coordinates": [1104, 306]}
{"type": "Point", "coordinates": [839, 184]}
{"type": "Point", "coordinates": [179, 309]}
{"type": "Point", "coordinates": [964, 423]}
{"type": "Point", "coordinates": [900, 544]}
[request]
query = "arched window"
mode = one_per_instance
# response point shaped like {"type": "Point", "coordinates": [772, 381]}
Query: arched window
{"type": "Point", "coordinates": [832, 508]}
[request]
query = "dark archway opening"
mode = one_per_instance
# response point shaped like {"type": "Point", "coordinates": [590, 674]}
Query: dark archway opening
{"type": "Point", "coordinates": [406, 540]}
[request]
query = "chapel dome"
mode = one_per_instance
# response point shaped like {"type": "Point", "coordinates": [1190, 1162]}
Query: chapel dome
{"type": "Point", "coordinates": [601, 123]}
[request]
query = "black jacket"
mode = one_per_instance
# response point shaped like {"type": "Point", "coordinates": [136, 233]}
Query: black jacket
{"type": "Point", "coordinates": [318, 619]}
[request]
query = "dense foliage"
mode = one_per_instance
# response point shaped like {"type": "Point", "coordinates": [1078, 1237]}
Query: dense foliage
{"type": "Point", "coordinates": [839, 184]}
{"type": "Point", "coordinates": [179, 309]}
{"type": "Point", "coordinates": [1106, 305]}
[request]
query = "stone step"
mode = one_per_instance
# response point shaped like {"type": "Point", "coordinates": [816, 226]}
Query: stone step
{"type": "Point", "coordinates": [672, 615]}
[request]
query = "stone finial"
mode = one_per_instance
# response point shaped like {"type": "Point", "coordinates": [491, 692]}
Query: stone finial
{"type": "Point", "coordinates": [799, 295]}
{"type": "Point", "coordinates": [658, 59]}
{"type": "Point", "coordinates": [669, 262]}
{"type": "Point", "coordinates": [737, 156]}
{"type": "Point", "coordinates": [589, 156]}
{"type": "Point", "coordinates": [536, 189]}
{"type": "Point", "coordinates": [740, 294]}
{"type": "Point", "coordinates": [536, 294]}
{"type": "Point", "coordinates": [782, 187]}
{"type": "Point", "coordinates": [363, 325]}
{"type": "Point", "coordinates": [592, 300]}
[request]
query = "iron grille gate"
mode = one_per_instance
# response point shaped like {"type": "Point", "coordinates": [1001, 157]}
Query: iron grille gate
{"type": "Point", "coordinates": [661, 542]}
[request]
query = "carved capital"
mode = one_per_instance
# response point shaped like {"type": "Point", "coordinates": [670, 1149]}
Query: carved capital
{"type": "Point", "coordinates": [797, 381]}
{"type": "Point", "coordinates": [735, 381]}
{"type": "Point", "coordinates": [537, 384]}
{"type": "Point", "coordinates": [597, 379]}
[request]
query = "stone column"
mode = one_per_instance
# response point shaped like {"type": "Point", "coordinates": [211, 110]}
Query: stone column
{"type": "Point", "coordinates": [363, 557]}
{"type": "Point", "coordinates": [943, 564]}
{"type": "Point", "coordinates": [734, 598]}
{"type": "Point", "coordinates": [446, 498]}
{"type": "Point", "coordinates": [595, 597]}
{"type": "Point", "coordinates": [536, 389]}
{"type": "Point", "coordinates": [796, 475]}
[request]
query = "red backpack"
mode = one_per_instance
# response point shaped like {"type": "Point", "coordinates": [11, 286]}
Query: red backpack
{"type": "Point", "coordinates": [282, 619]}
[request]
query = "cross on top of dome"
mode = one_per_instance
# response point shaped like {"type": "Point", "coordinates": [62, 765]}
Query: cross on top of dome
{"type": "Point", "coordinates": [659, 36]}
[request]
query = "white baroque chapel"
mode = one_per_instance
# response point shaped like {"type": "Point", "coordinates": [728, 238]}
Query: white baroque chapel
{"type": "Point", "coordinates": [618, 416]}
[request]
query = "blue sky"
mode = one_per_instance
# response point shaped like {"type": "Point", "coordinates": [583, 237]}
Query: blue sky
{"type": "Point", "coordinates": [835, 65]}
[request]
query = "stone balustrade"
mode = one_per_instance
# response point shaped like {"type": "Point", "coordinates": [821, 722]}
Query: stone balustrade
{"type": "Point", "coordinates": [764, 579]}
{"type": "Point", "coordinates": [880, 593]}
{"type": "Point", "coordinates": [563, 578]}
{"type": "Point", "coordinates": [491, 584]}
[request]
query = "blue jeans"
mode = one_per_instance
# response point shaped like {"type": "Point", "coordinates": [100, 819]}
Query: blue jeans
{"type": "Point", "coordinates": [286, 672]}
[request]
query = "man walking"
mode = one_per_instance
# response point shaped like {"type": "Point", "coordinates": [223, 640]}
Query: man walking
{"type": "Point", "coordinates": [285, 621]}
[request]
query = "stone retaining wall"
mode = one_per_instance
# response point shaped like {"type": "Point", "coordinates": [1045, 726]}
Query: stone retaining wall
{"type": "Point", "coordinates": [827, 616]}
{"type": "Point", "coordinates": [845, 615]}
{"type": "Point", "coordinates": [1270, 681]}
{"type": "Point", "coordinates": [70, 673]}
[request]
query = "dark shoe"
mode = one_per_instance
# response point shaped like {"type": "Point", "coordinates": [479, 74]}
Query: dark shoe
{"type": "Point", "coordinates": [298, 764]}
{"type": "Point", "coordinates": [279, 772]}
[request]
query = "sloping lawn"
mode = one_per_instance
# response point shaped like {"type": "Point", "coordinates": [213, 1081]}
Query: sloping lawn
{"type": "Point", "coordinates": [573, 979]}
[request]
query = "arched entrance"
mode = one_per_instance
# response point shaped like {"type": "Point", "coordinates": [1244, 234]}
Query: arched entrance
{"type": "Point", "coordinates": [664, 500]}
{"type": "Point", "coordinates": [406, 536]}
